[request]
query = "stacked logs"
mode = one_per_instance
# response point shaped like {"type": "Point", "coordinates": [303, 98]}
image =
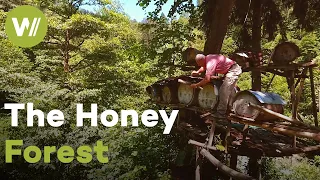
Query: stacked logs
{"type": "Point", "coordinates": [178, 91]}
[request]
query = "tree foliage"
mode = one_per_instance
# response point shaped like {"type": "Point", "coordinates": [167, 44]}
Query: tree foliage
{"type": "Point", "coordinates": [103, 57]}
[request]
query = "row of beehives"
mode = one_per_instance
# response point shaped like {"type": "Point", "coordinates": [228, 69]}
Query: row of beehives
{"type": "Point", "coordinates": [173, 92]}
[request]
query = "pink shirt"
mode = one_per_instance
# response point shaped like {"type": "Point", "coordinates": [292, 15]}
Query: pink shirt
{"type": "Point", "coordinates": [216, 63]}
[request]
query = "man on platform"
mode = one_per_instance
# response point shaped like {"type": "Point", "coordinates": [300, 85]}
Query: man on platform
{"type": "Point", "coordinates": [218, 64]}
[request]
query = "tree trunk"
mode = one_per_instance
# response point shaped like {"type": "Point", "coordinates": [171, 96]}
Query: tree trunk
{"type": "Point", "coordinates": [256, 42]}
{"type": "Point", "coordinates": [218, 26]}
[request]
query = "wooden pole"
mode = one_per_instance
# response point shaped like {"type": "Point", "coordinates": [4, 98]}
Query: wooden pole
{"type": "Point", "coordinates": [196, 143]}
{"type": "Point", "coordinates": [300, 150]}
{"type": "Point", "coordinates": [282, 117]}
{"type": "Point", "coordinates": [223, 168]}
{"type": "Point", "coordinates": [283, 129]}
{"type": "Point", "coordinates": [256, 42]}
{"type": "Point", "coordinates": [211, 135]}
{"type": "Point", "coordinates": [269, 85]}
{"type": "Point", "coordinates": [233, 162]}
{"type": "Point", "coordinates": [198, 162]}
{"type": "Point", "coordinates": [255, 167]}
{"type": "Point", "coordinates": [313, 94]}
{"type": "Point", "coordinates": [296, 96]}
{"type": "Point", "coordinates": [296, 104]}
{"type": "Point", "coordinates": [227, 136]}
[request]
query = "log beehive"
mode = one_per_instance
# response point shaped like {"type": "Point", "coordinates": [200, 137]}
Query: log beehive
{"type": "Point", "coordinates": [154, 93]}
{"type": "Point", "coordinates": [169, 94]}
{"type": "Point", "coordinates": [207, 98]}
{"type": "Point", "coordinates": [186, 94]}
{"type": "Point", "coordinates": [270, 101]}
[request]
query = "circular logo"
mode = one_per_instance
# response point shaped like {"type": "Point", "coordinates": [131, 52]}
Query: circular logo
{"type": "Point", "coordinates": [26, 26]}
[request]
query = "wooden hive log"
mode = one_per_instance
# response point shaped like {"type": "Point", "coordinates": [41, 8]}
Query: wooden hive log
{"type": "Point", "coordinates": [207, 97]}
{"type": "Point", "coordinates": [186, 94]}
{"type": "Point", "coordinates": [270, 101]}
{"type": "Point", "coordinates": [189, 55]}
{"type": "Point", "coordinates": [154, 92]}
{"type": "Point", "coordinates": [285, 53]}
{"type": "Point", "coordinates": [169, 94]}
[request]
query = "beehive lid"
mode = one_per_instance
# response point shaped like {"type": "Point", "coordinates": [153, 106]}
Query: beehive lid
{"type": "Point", "coordinates": [267, 98]}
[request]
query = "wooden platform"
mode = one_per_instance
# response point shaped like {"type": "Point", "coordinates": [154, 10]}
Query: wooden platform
{"type": "Point", "coordinates": [261, 139]}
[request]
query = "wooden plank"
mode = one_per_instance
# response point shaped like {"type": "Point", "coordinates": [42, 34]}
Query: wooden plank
{"type": "Point", "coordinates": [299, 150]}
{"type": "Point", "coordinates": [223, 168]}
{"type": "Point", "coordinates": [313, 94]}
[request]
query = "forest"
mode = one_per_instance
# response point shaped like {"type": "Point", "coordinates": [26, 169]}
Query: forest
{"type": "Point", "coordinates": [103, 57]}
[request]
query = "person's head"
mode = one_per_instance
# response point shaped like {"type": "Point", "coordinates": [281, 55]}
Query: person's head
{"type": "Point", "coordinates": [200, 59]}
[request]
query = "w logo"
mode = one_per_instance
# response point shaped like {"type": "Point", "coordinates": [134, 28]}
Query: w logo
{"type": "Point", "coordinates": [25, 25]}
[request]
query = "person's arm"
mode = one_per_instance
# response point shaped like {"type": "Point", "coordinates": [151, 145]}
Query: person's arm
{"type": "Point", "coordinates": [204, 81]}
{"type": "Point", "coordinates": [197, 73]}
{"type": "Point", "coordinates": [210, 70]}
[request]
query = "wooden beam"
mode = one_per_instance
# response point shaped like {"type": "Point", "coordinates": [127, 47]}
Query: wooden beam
{"type": "Point", "coordinates": [282, 117]}
{"type": "Point", "coordinates": [223, 168]}
{"type": "Point", "coordinates": [298, 95]}
{"type": "Point", "coordinates": [198, 163]}
{"type": "Point", "coordinates": [199, 144]}
{"type": "Point", "coordinates": [275, 114]}
{"type": "Point", "coordinates": [282, 129]}
{"type": "Point", "coordinates": [254, 166]}
{"type": "Point", "coordinates": [313, 94]}
{"type": "Point", "coordinates": [293, 97]}
{"type": "Point", "coordinates": [300, 150]}
{"type": "Point", "coordinates": [273, 71]}
{"type": "Point", "coordinates": [303, 76]}
{"type": "Point", "coordinates": [294, 104]}
{"type": "Point", "coordinates": [233, 161]}
{"type": "Point", "coordinates": [312, 63]}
